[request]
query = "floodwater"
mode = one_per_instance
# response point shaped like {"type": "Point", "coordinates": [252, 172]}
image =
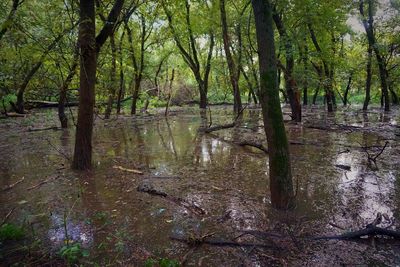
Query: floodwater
{"type": "Point", "coordinates": [214, 188]}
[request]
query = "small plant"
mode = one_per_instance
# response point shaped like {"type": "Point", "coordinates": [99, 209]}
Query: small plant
{"type": "Point", "coordinates": [72, 253]}
{"type": "Point", "coordinates": [163, 262]}
{"type": "Point", "coordinates": [11, 232]}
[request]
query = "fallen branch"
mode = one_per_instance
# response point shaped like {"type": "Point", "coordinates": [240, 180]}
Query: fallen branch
{"type": "Point", "coordinates": [30, 129]}
{"type": "Point", "coordinates": [7, 217]}
{"type": "Point", "coordinates": [370, 230]}
{"type": "Point", "coordinates": [219, 127]}
{"type": "Point", "coordinates": [42, 183]}
{"type": "Point", "coordinates": [127, 170]}
{"type": "Point", "coordinates": [149, 189]}
{"type": "Point", "coordinates": [8, 187]}
{"type": "Point", "coordinates": [253, 144]}
{"type": "Point", "coordinates": [218, 242]}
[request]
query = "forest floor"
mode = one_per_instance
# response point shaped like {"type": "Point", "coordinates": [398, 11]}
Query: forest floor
{"type": "Point", "coordinates": [157, 178]}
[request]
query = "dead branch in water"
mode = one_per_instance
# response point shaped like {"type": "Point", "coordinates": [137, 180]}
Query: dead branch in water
{"type": "Point", "coordinates": [253, 144]}
{"type": "Point", "coordinates": [219, 127]}
{"type": "Point", "coordinates": [219, 242]}
{"type": "Point", "coordinates": [55, 128]}
{"type": "Point", "coordinates": [192, 207]}
{"type": "Point", "coordinates": [370, 230]}
{"type": "Point", "coordinates": [373, 158]}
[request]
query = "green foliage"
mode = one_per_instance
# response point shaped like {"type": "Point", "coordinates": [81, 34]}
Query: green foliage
{"type": "Point", "coordinates": [163, 262]}
{"type": "Point", "coordinates": [11, 232]}
{"type": "Point", "coordinates": [72, 253]}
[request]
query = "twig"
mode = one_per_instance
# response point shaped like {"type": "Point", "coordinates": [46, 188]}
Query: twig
{"type": "Point", "coordinates": [42, 183]}
{"type": "Point", "coordinates": [14, 184]}
{"type": "Point", "coordinates": [7, 216]}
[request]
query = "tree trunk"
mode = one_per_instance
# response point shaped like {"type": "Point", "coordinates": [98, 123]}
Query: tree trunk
{"type": "Point", "coordinates": [346, 92]}
{"type": "Point", "coordinates": [83, 141]}
{"type": "Point", "coordinates": [291, 85]}
{"type": "Point", "coordinates": [121, 76]}
{"type": "Point", "coordinates": [281, 185]}
{"type": "Point", "coordinates": [64, 88]}
{"type": "Point", "coordinates": [112, 85]}
{"type": "Point", "coordinates": [305, 63]}
{"type": "Point", "coordinates": [8, 22]}
{"type": "Point", "coordinates": [369, 29]}
{"type": "Point", "coordinates": [233, 71]}
{"type": "Point", "coordinates": [369, 78]}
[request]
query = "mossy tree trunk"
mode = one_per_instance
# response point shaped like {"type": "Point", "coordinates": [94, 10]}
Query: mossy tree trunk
{"type": "Point", "coordinates": [281, 185]}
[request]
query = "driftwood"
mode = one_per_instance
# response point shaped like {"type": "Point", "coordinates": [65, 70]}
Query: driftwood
{"type": "Point", "coordinates": [219, 242]}
{"type": "Point", "coordinates": [343, 167]}
{"type": "Point", "coordinates": [149, 189]}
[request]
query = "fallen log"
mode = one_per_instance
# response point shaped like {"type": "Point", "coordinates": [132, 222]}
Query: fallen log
{"type": "Point", "coordinates": [29, 104]}
{"type": "Point", "coordinates": [55, 128]}
{"type": "Point", "coordinates": [219, 127]}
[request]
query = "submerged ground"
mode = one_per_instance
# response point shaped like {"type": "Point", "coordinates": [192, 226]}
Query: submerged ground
{"type": "Point", "coordinates": [206, 186]}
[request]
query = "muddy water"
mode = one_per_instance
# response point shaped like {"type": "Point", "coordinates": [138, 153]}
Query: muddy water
{"type": "Point", "coordinates": [213, 185]}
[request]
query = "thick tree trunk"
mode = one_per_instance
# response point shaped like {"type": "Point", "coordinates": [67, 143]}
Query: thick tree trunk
{"type": "Point", "coordinates": [87, 40]}
{"type": "Point", "coordinates": [112, 88]}
{"type": "Point", "coordinates": [233, 71]}
{"type": "Point", "coordinates": [369, 78]}
{"type": "Point", "coordinates": [281, 185]}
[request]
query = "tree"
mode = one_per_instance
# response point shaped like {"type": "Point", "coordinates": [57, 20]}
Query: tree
{"type": "Point", "coordinates": [8, 22]}
{"type": "Point", "coordinates": [290, 82]}
{"type": "Point", "coordinates": [190, 54]}
{"type": "Point", "coordinates": [369, 29]}
{"type": "Point", "coordinates": [90, 46]}
{"type": "Point", "coordinates": [281, 185]}
{"type": "Point", "coordinates": [234, 69]}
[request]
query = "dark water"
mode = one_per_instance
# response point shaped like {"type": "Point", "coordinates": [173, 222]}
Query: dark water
{"type": "Point", "coordinates": [104, 212]}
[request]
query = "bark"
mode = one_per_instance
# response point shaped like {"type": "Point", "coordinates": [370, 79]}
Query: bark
{"type": "Point", "coordinates": [346, 92]}
{"type": "Point", "coordinates": [8, 22]}
{"type": "Point", "coordinates": [281, 185]}
{"type": "Point", "coordinates": [369, 29]}
{"type": "Point", "coordinates": [89, 48]}
{"type": "Point", "coordinates": [112, 88]}
{"type": "Point", "coordinates": [88, 51]}
{"type": "Point", "coordinates": [121, 75]}
{"type": "Point", "coordinates": [291, 85]}
{"type": "Point", "coordinates": [369, 78]}
{"type": "Point", "coordinates": [64, 88]}
{"type": "Point", "coordinates": [234, 70]}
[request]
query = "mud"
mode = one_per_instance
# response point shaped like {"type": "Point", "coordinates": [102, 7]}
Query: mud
{"type": "Point", "coordinates": [336, 188]}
